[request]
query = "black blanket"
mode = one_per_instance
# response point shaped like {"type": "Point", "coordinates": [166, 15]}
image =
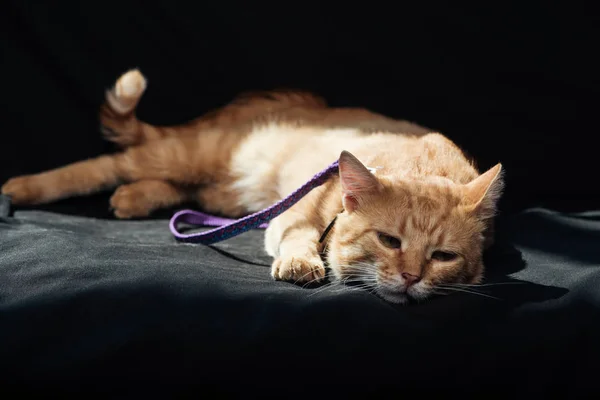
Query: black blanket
{"type": "Point", "coordinates": [120, 307]}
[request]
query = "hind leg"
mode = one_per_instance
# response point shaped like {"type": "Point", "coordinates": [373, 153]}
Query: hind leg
{"type": "Point", "coordinates": [185, 162]}
{"type": "Point", "coordinates": [139, 199]}
{"type": "Point", "coordinates": [79, 178]}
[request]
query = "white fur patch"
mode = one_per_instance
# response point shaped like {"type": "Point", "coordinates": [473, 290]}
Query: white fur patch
{"type": "Point", "coordinates": [341, 132]}
{"type": "Point", "coordinates": [123, 97]}
{"type": "Point", "coordinates": [351, 252]}
{"type": "Point", "coordinates": [130, 84]}
{"type": "Point", "coordinates": [253, 163]}
{"type": "Point", "coordinates": [419, 291]}
{"type": "Point", "coordinates": [256, 163]}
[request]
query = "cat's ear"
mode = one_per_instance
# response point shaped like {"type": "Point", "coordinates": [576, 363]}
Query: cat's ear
{"type": "Point", "coordinates": [356, 181]}
{"type": "Point", "coordinates": [481, 195]}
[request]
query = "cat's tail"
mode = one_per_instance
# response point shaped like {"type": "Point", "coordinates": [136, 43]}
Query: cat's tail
{"type": "Point", "coordinates": [117, 115]}
{"type": "Point", "coordinates": [121, 126]}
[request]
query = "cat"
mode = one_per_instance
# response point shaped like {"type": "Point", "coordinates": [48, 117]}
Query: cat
{"type": "Point", "coordinates": [413, 215]}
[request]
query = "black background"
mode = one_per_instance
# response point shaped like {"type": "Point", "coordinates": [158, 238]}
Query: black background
{"type": "Point", "coordinates": [515, 82]}
{"type": "Point", "coordinates": [512, 83]}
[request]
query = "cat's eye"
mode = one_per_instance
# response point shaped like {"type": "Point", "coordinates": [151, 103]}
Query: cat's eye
{"type": "Point", "coordinates": [389, 241]}
{"type": "Point", "coordinates": [443, 256]}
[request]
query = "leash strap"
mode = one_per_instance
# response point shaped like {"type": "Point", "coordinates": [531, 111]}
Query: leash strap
{"type": "Point", "coordinates": [228, 228]}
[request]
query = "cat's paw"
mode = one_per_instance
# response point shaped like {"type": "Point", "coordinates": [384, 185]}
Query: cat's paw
{"type": "Point", "coordinates": [298, 268]}
{"type": "Point", "coordinates": [23, 190]}
{"type": "Point", "coordinates": [128, 202]}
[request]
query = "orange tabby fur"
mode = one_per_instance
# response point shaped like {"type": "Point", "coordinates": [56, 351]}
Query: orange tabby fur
{"type": "Point", "coordinates": [415, 226]}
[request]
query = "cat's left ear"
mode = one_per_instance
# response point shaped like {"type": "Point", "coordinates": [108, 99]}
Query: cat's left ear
{"type": "Point", "coordinates": [481, 195]}
{"type": "Point", "coordinates": [357, 181]}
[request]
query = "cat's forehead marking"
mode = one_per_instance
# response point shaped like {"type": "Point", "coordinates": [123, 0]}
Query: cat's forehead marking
{"type": "Point", "coordinates": [420, 224]}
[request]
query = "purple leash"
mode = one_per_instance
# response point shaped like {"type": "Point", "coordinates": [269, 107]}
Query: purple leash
{"type": "Point", "coordinates": [228, 228]}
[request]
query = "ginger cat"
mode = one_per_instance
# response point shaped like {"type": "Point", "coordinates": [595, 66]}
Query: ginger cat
{"type": "Point", "coordinates": [415, 226]}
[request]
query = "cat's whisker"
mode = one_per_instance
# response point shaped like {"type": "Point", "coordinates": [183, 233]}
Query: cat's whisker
{"type": "Point", "coordinates": [353, 287]}
{"type": "Point", "coordinates": [321, 289]}
{"type": "Point", "coordinates": [361, 288]}
{"type": "Point", "coordinates": [365, 270]}
{"type": "Point", "coordinates": [325, 287]}
{"type": "Point", "coordinates": [362, 279]}
{"type": "Point", "coordinates": [357, 284]}
{"type": "Point", "coordinates": [488, 284]}
{"type": "Point", "coordinates": [305, 275]}
{"type": "Point", "coordinates": [362, 275]}
{"type": "Point", "coordinates": [372, 290]}
{"type": "Point", "coordinates": [456, 289]}
{"type": "Point", "coordinates": [342, 285]}
{"type": "Point", "coordinates": [308, 283]}
{"type": "Point", "coordinates": [456, 285]}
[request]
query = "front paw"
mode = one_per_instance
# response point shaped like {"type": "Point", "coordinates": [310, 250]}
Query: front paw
{"type": "Point", "coordinates": [298, 268]}
{"type": "Point", "coordinates": [23, 190]}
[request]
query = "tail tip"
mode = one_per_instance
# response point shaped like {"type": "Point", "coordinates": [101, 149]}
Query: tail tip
{"type": "Point", "coordinates": [131, 84]}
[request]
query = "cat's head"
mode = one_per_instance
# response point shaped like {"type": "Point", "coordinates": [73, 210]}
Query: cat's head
{"type": "Point", "coordinates": [408, 239]}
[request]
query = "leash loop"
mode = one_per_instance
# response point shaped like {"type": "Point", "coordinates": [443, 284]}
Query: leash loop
{"type": "Point", "coordinates": [227, 228]}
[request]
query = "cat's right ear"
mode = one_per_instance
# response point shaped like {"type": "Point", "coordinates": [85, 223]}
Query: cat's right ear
{"type": "Point", "coordinates": [356, 181]}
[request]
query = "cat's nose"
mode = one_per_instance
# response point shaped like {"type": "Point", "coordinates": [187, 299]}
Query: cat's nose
{"type": "Point", "coordinates": [410, 278]}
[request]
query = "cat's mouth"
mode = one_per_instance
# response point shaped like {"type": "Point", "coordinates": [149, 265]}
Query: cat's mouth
{"type": "Point", "coordinates": [396, 294]}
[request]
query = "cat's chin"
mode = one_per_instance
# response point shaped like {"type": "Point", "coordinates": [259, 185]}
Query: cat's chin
{"type": "Point", "coordinates": [392, 297]}
{"type": "Point", "coordinates": [396, 297]}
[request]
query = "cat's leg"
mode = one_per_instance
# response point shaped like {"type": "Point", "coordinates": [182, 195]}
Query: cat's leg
{"type": "Point", "coordinates": [292, 239]}
{"type": "Point", "coordinates": [79, 178]}
{"type": "Point", "coordinates": [220, 198]}
{"type": "Point", "coordinates": [139, 199]}
{"type": "Point", "coordinates": [183, 161]}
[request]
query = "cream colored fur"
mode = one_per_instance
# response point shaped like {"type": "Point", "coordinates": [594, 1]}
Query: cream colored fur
{"type": "Point", "coordinates": [417, 225]}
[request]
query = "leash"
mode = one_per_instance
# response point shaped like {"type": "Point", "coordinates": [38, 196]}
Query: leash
{"type": "Point", "coordinates": [228, 228]}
